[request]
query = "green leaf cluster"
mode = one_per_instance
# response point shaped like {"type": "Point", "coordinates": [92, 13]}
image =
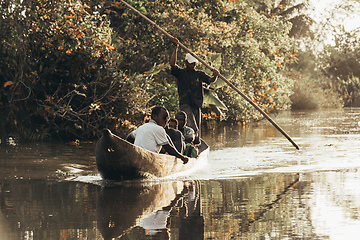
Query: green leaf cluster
{"type": "Point", "coordinates": [59, 74]}
{"type": "Point", "coordinates": [249, 47]}
{"type": "Point", "coordinates": [70, 68]}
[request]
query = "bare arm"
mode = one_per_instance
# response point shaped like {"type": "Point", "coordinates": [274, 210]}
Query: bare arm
{"type": "Point", "coordinates": [170, 148]}
{"type": "Point", "coordinates": [214, 76]}
{"type": "Point", "coordinates": [174, 54]}
{"type": "Point", "coordinates": [172, 151]}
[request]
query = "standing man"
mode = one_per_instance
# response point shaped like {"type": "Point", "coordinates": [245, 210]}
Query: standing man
{"type": "Point", "coordinates": [152, 135]}
{"type": "Point", "coordinates": [189, 83]}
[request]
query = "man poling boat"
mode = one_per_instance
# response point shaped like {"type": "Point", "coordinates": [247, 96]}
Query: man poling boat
{"type": "Point", "coordinates": [220, 76]}
{"type": "Point", "coordinates": [190, 89]}
{"type": "Point", "coordinates": [118, 159]}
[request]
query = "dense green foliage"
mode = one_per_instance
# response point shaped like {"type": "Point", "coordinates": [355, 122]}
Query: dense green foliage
{"type": "Point", "coordinates": [254, 48]}
{"type": "Point", "coordinates": [71, 68]}
{"type": "Point", "coordinates": [313, 89]}
{"type": "Point", "coordinates": [341, 62]}
{"type": "Point", "coordinates": [328, 71]}
{"type": "Point", "coordinates": [59, 72]}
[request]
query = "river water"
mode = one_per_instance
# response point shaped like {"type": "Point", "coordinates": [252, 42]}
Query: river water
{"type": "Point", "coordinates": [256, 185]}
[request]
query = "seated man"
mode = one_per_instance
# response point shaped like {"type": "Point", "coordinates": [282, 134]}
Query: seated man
{"type": "Point", "coordinates": [152, 135]}
{"type": "Point", "coordinates": [176, 136]}
{"type": "Point", "coordinates": [188, 132]}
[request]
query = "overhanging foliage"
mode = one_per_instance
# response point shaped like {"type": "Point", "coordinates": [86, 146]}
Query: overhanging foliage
{"type": "Point", "coordinates": [69, 69]}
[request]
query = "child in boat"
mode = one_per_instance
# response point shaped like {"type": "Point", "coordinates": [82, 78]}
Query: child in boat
{"type": "Point", "coordinates": [190, 149]}
{"type": "Point", "coordinates": [187, 131]}
{"type": "Point", "coordinates": [176, 136]}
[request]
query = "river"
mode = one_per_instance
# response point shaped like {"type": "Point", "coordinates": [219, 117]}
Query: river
{"type": "Point", "coordinates": [256, 185]}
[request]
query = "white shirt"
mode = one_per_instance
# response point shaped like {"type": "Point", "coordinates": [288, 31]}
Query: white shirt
{"type": "Point", "coordinates": [150, 136]}
{"type": "Point", "coordinates": [155, 222]}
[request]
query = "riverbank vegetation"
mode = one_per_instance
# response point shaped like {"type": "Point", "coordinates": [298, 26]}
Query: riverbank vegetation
{"type": "Point", "coordinates": [70, 68]}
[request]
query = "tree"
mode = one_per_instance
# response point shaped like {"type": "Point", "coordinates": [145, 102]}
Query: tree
{"type": "Point", "coordinates": [59, 73]}
{"type": "Point", "coordinates": [327, 70]}
{"type": "Point", "coordinates": [288, 11]}
{"type": "Point", "coordinates": [342, 63]}
{"type": "Point", "coordinates": [253, 55]}
{"type": "Point", "coordinates": [69, 69]}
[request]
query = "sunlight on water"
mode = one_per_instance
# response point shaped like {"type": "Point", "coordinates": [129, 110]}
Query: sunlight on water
{"type": "Point", "coordinates": [334, 204]}
{"type": "Point", "coordinates": [326, 144]}
{"type": "Point", "coordinates": [328, 161]}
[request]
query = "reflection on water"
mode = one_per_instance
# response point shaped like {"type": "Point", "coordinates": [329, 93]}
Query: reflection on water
{"type": "Point", "coordinates": [333, 203]}
{"type": "Point", "coordinates": [256, 185]}
{"type": "Point", "coordinates": [162, 210]}
{"type": "Point", "coordinates": [249, 208]}
{"type": "Point", "coordinates": [159, 211]}
{"type": "Point", "coordinates": [48, 210]}
{"type": "Point", "coordinates": [328, 140]}
{"type": "Point", "coordinates": [41, 161]}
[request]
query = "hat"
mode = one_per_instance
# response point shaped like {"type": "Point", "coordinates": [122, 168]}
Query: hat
{"type": "Point", "coordinates": [190, 59]}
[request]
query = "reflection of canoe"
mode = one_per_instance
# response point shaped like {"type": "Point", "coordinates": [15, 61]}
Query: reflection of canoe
{"type": "Point", "coordinates": [118, 159]}
{"type": "Point", "coordinates": [139, 210]}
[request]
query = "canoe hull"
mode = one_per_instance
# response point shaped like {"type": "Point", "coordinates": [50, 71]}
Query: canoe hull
{"type": "Point", "coordinates": [118, 159]}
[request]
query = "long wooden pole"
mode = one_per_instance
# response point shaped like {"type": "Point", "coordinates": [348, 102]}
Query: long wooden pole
{"type": "Point", "coordinates": [221, 76]}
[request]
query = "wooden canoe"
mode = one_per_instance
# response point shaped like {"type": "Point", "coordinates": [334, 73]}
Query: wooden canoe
{"type": "Point", "coordinates": [117, 159]}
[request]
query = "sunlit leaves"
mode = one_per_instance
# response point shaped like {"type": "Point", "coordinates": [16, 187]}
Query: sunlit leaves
{"type": "Point", "coordinates": [256, 48]}
{"type": "Point", "coordinates": [55, 56]}
{"type": "Point", "coordinates": [8, 83]}
{"type": "Point", "coordinates": [103, 65]}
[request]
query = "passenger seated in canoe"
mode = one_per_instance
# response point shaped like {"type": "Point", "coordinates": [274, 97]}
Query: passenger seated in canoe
{"type": "Point", "coordinates": [176, 136]}
{"type": "Point", "coordinates": [173, 123]}
{"type": "Point", "coordinates": [187, 131]}
{"type": "Point", "coordinates": [152, 135]}
{"type": "Point", "coordinates": [190, 150]}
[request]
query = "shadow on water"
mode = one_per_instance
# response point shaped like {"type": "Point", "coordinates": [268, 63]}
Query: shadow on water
{"type": "Point", "coordinates": [48, 160]}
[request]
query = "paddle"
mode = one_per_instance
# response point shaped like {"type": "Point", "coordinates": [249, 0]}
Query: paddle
{"type": "Point", "coordinates": [221, 76]}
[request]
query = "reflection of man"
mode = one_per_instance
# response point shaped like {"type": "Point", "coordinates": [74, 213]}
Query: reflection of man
{"type": "Point", "coordinates": [192, 222]}
{"type": "Point", "coordinates": [152, 135]}
{"type": "Point", "coordinates": [156, 222]}
{"type": "Point", "coordinates": [189, 82]}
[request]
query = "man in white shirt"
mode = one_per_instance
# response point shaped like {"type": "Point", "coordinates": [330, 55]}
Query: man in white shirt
{"type": "Point", "coordinates": [152, 135]}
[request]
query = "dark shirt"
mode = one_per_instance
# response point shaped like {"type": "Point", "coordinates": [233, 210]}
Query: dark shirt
{"type": "Point", "coordinates": [189, 85]}
{"type": "Point", "coordinates": [177, 138]}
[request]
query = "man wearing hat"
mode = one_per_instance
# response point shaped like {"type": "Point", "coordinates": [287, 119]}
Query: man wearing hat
{"type": "Point", "coordinates": [189, 83]}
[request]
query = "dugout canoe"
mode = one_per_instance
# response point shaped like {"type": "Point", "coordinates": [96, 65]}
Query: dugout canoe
{"type": "Point", "coordinates": [117, 159]}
